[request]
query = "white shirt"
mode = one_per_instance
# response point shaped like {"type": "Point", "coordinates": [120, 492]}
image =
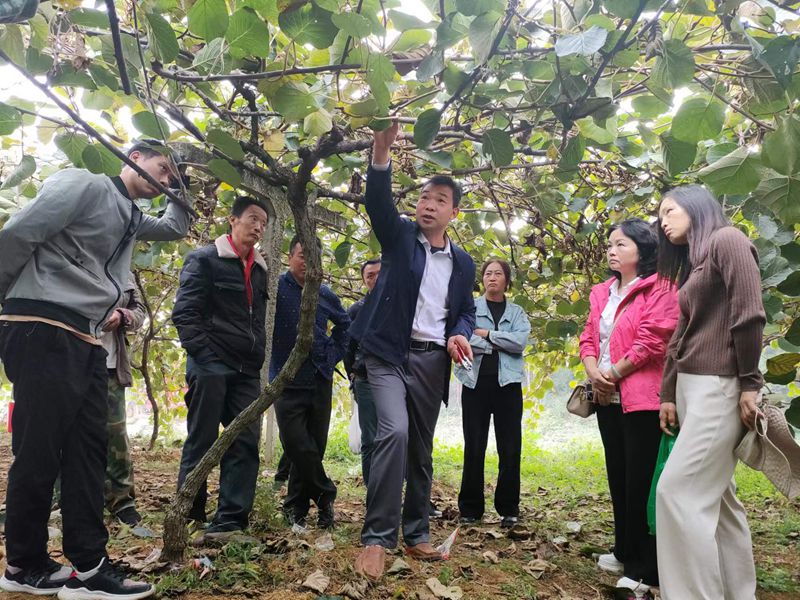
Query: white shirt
{"type": "Point", "coordinates": [433, 304]}
{"type": "Point", "coordinates": [615, 298]}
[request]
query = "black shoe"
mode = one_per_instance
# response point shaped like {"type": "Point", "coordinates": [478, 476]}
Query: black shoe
{"type": "Point", "coordinates": [219, 530]}
{"type": "Point", "coordinates": [300, 521]}
{"type": "Point", "coordinates": [44, 581]}
{"type": "Point", "coordinates": [326, 519]}
{"type": "Point", "coordinates": [468, 520]}
{"type": "Point", "coordinates": [433, 512]}
{"type": "Point", "coordinates": [129, 516]}
{"type": "Point", "coordinates": [108, 582]}
{"type": "Point", "coordinates": [508, 522]}
{"type": "Point", "coordinates": [293, 518]}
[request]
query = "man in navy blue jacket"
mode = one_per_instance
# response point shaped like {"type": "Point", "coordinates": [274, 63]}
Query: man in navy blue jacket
{"type": "Point", "coordinates": [303, 410]}
{"type": "Point", "coordinates": [419, 316]}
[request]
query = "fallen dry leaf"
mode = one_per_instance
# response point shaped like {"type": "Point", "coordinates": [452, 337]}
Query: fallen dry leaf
{"type": "Point", "coordinates": [491, 557]}
{"type": "Point", "coordinates": [355, 591]}
{"type": "Point", "coordinates": [520, 533]}
{"type": "Point", "coordinates": [324, 543]}
{"type": "Point", "coordinates": [512, 549]}
{"type": "Point", "coordinates": [298, 544]}
{"type": "Point", "coordinates": [538, 567]}
{"type": "Point", "coordinates": [317, 582]}
{"type": "Point", "coordinates": [545, 551]}
{"type": "Point", "coordinates": [277, 546]}
{"type": "Point", "coordinates": [445, 592]}
{"type": "Point", "coordinates": [399, 567]}
{"type": "Point", "coordinates": [471, 531]}
{"type": "Point", "coordinates": [150, 564]}
{"type": "Point", "coordinates": [494, 534]}
{"type": "Point", "coordinates": [574, 526]}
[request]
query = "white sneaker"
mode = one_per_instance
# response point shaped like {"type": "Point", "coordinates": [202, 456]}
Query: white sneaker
{"type": "Point", "coordinates": [609, 562]}
{"type": "Point", "coordinates": [639, 589]}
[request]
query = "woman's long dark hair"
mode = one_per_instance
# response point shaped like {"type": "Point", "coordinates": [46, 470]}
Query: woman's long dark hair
{"type": "Point", "coordinates": [642, 234]}
{"type": "Point", "coordinates": [675, 262]}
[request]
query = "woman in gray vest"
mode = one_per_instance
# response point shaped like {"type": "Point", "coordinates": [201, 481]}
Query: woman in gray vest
{"type": "Point", "coordinates": [493, 387]}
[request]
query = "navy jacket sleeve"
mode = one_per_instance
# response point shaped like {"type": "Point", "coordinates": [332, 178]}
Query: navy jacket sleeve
{"type": "Point", "coordinates": [383, 215]}
{"type": "Point", "coordinates": [352, 345]}
{"type": "Point", "coordinates": [339, 335]}
{"type": "Point", "coordinates": [465, 324]}
{"type": "Point", "coordinates": [191, 303]}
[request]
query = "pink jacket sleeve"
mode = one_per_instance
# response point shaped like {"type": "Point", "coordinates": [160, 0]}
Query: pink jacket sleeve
{"type": "Point", "coordinates": [588, 339]}
{"type": "Point", "coordinates": [658, 322]}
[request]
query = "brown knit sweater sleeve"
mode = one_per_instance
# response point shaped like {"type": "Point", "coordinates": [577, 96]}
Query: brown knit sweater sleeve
{"type": "Point", "coordinates": [669, 379]}
{"type": "Point", "coordinates": [736, 260]}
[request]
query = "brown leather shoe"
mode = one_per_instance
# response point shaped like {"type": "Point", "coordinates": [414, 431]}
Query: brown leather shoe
{"type": "Point", "coordinates": [370, 562]}
{"type": "Point", "coordinates": [424, 551]}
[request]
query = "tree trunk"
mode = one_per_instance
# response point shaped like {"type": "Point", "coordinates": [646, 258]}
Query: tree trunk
{"type": "Point", "coordinates": [271, 246]}
{"type": "Point", "coordinates": [145, 365]}
{"type": "Point", "coordinates": [175, 532]}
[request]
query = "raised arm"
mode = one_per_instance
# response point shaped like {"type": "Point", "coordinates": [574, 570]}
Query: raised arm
{"type": "Point", "coordinates": [383, 215]}
{"type": "Point", "coordinates": [174, 225]}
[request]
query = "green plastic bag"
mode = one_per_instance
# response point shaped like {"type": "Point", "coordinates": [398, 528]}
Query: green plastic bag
{"type": "Point", "coordinates": [664, 449]}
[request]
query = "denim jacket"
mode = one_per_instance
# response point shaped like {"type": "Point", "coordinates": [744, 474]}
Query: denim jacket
{"type": "Point", "coordinates": [509, 340]}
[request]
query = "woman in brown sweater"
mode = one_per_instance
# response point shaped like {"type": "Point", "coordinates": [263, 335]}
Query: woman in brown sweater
{"type": "Point", "coordinates": [710, 386]}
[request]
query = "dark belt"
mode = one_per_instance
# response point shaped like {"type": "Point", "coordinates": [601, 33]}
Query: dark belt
{"type": "Point", "coordinates": [420, 346]}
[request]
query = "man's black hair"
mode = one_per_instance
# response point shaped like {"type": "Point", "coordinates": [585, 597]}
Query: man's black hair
{"type": "Point", "coordinates": [150, 147]}
{"type": "Point", "coordinates": [371, 261]}
{"type": "Point", "coordinates": [296, 240]}
{"type": "Point", "coordinates": [242, 202]}
{"type": "Point", "coordinates": [446, 181]}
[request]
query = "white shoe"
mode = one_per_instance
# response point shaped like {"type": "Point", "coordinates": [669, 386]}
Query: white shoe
{"type": "Point", "coordinates": [609, 562]}
{"type": "Point", "coordinates": [639, 589]}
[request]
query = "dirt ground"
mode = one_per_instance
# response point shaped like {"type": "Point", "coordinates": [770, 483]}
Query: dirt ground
{"type": "Point", "coordinates": [547, 557]}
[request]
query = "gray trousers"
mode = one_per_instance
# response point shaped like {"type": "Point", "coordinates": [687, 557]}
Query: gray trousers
{"type": "Point", "coordinates": [407, 400]}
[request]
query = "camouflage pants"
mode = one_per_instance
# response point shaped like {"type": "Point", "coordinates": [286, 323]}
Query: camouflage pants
{"type": "Point", "coordinates": [119, 489]}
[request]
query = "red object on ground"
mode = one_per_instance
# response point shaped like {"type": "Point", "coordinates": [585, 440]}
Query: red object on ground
{"type": "Point", "coordinates": [10, 412]}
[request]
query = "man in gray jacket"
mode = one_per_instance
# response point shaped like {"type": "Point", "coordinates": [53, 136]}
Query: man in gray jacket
{"type": "Point", "coordinates": [65, 260]}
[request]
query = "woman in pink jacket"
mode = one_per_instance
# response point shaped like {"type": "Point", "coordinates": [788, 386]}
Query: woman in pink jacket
{"type": "Point", "coordinates": [631, 318]}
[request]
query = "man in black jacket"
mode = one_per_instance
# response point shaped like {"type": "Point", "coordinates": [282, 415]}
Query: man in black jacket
{"type": "Point", "coordinates": [219, 314]}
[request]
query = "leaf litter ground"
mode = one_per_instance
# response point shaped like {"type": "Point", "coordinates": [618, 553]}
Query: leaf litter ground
{"type": "Point", "coordinates": [546, 557]}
